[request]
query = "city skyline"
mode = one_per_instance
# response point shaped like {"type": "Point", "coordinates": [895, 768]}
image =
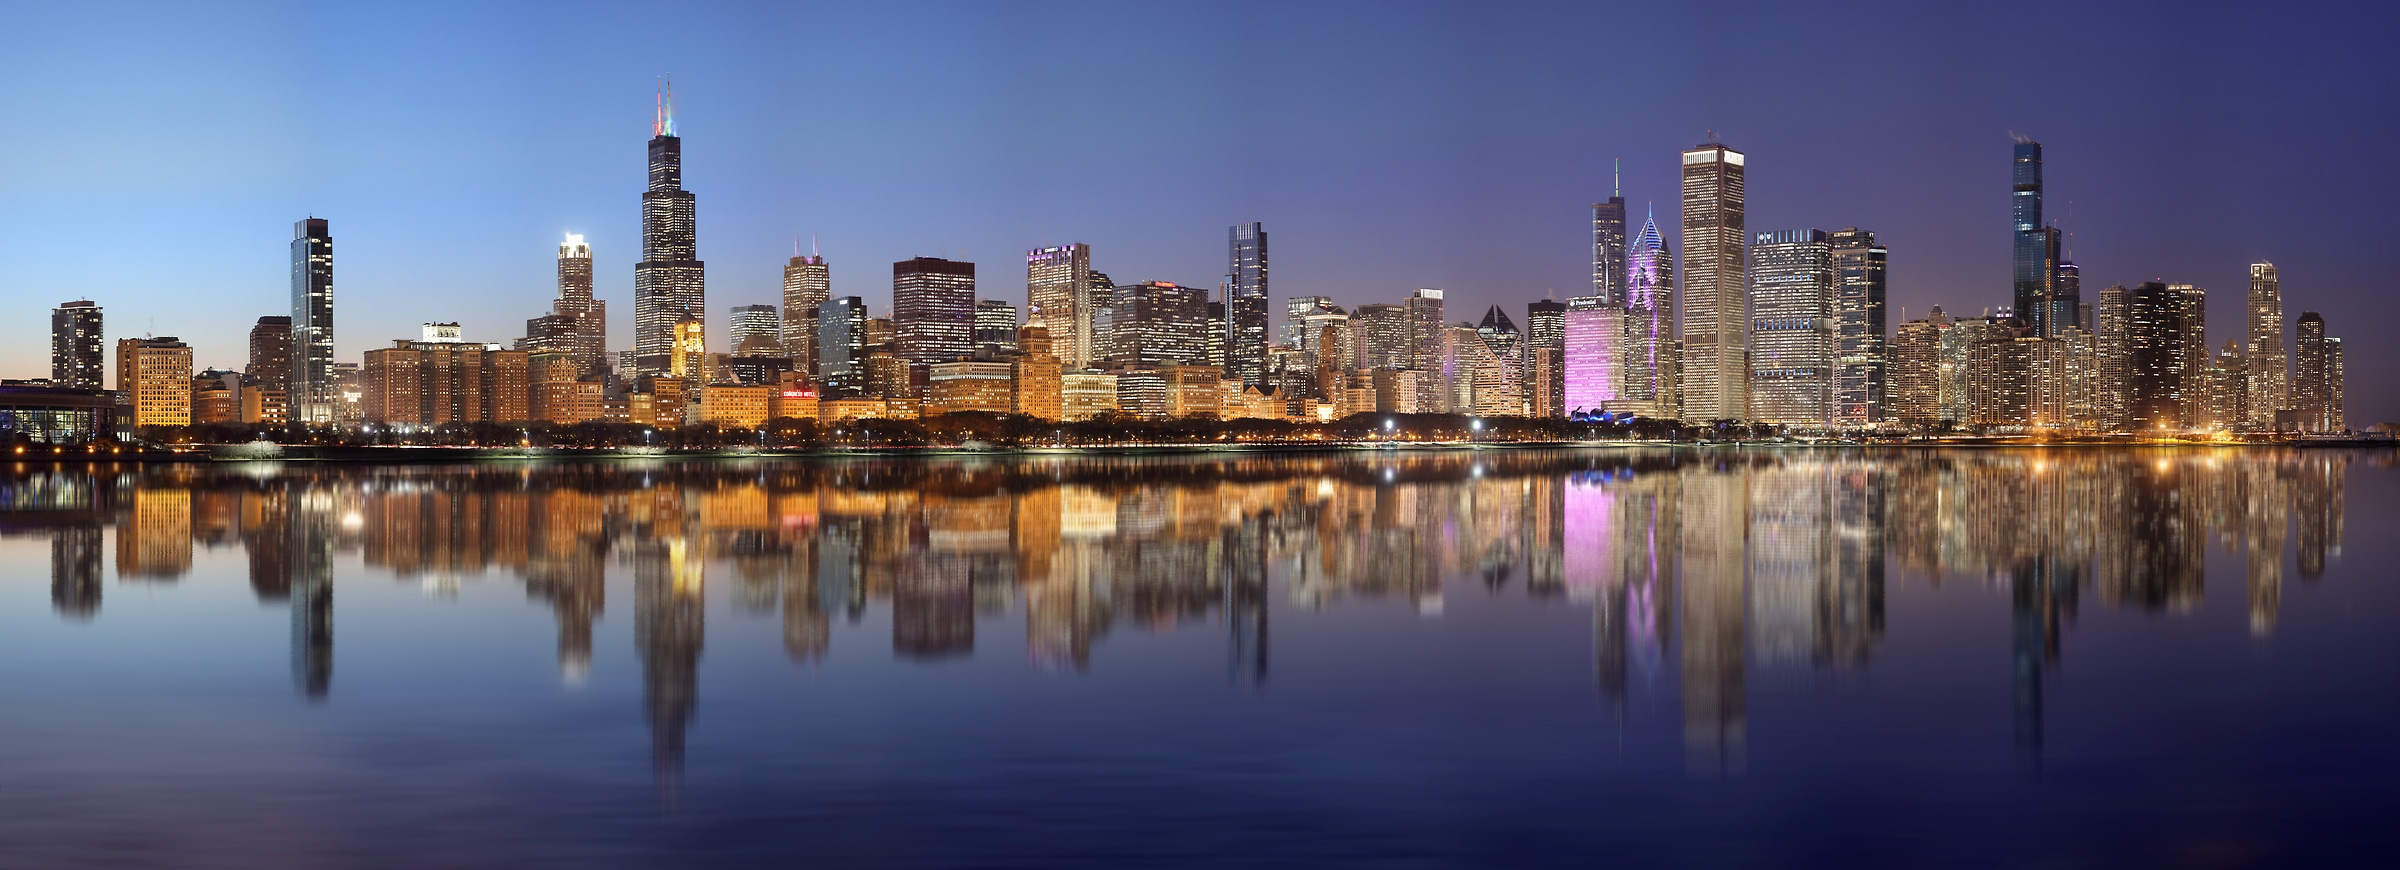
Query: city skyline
{"type": "Point", "coordinates": [1513, 234]}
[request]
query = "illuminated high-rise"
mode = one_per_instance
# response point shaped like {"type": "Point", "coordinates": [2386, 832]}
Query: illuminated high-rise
{"type": "Point", "coordinates": [1593, 332]}
{"type": "Point", "coordinates": [1246, 303]}
{"type": "Point", "coordinates": [996, 327]}
{"type": "Point", "coordinates": [1648, 380]}
{"type": "Point", "coordinates": [1546, 339]}
{"type": "Point", "coordinates": [1608, 249]}
{"type": "Point", "coordinates": [77, 358]}
{"type": "Point", "coordinates": [587, 317]}
{"type": "Point", "coordinates": [270, 353]}
{"type": "Point", "coordinates": [1158, 323]}
{"type": "Point", "coordinates": [1858, 327]}
{"type": "Point", "coordinates": [1058, 290]}
{"type": "Point", "coordinates": [1791, 344]}
{"type": "Point", "coordinates": [2032, 252]}
{"type": "Point", "coordinates": [747, 327]}
{"type": "Point", "coordinates": [2269, 364]}
{"type": "Point", "coordinates": [2316, 392]}
{"type": "Point", "coordinates": [312, 390]}
{"type": "Point", "coordinates": [841, 344]}
{"type": "Point", "coordinates": [1383, 335]}
{"type": "Point", "coordinates": [933, 310]}
{"type": "Point", "coordinates": [1425, 325]}
{"type": "Point", "coordinates": [807, 283]}
{"type": "Point", "coordinates": [1716, 326]}
{"type": "Point", "coordinates": [670, 284]}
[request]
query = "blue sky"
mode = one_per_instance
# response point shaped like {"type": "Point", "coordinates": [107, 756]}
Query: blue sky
{"type": "Point", "coordinates": [160, 154]}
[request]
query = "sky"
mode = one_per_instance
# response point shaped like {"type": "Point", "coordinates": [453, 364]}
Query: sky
{"type": "Point", "coordinates": [159, 155]}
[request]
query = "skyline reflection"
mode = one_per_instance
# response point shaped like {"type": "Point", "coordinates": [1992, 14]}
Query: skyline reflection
{"type": "Point", "coordinates": [1699, 567]}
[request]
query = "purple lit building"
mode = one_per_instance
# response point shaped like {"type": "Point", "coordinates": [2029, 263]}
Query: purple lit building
{"type": "Point", "coordinates": [1647, 384]}
{"type": "Point", "coordinates": [1595, 354]}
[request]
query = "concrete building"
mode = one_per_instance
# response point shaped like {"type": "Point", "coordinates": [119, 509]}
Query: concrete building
{"type": "Point", "coordinates": [155, 377]}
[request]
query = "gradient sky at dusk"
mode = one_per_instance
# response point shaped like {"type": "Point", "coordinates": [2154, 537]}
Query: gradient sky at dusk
{"type": "Point", "coordinates": [158, 156]}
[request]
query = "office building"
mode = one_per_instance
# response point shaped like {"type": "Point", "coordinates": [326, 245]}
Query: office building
{"type": "Point", "coordinates": [1859, 353]}
{"type": "Point", "coordinates": [582, 317]}
{"type": "Point", "coordinates": [1034, 375]}
{"type": "Point", "coordinates": [1594, 356]}
{"type": "Point", "coordinates": [2112, 360]}
{"type": "Point", "coordinates": [440, 380]}
{"type": "Point", "coordinates": [155, 377]}
{"type": "Point", "coordinates": [1649, 375]}
{"type": "Point", "coordinates": [2158, 323]}
{"type": "Point", "coordinates": [1425, 325]}
{"type": "Point", "coordinates": [78, 360]}
{"type": "Point", "coordinates": [2269, 363]}
{"type": "Point", "coordinates": [1295, 310]}
{"type": "Point", "coordinates": [2063, 374]}
{"type": "Point", "coordinates": [968, 386]}
{"type": "Point", "coordinates": [1791, 342]}
{"type": "Point", "coordinates": [1085, 395]}
{"type": "Point", "coordinates": [2031, 253]}
{"type": "Point", "coordinates": [995, 328]}
{"type": "Point", "coordinates": [1246, 303]}
{"type": "Point", "coordinates": [2001, 370]}
{"type": "Point", "coordinates": [1608, 248]}
{"type": "Point", "coordinates": [670, 284]}
{"type": "Point", "coordinates": [1382, 335]}
{"type": "Point", "coordinates": [841, 345]}
{"type": "Point", "coordinates": [312, 387]}
{"type": "Point", "coordinates": [1323, 336]}
{"type": "Point", "coordinates": [1716, 336]}
{"type": "Point", "coordinates": [1546, 338]}
{"type": "Point", "coordinates": [2316, 389]}
{"type": "Point", "coordinates": [754, 330]}
{"type": "Point", "coordinates": [1058, 289]}
{"type": "Point", "coordinates": [807, 283]}
{"type": "Point", "coordinates": [1158, 323]}
{"type": "Point", "coordinates": [933, 310]}
{"type": "Point", "coordinates": [1916, 374]}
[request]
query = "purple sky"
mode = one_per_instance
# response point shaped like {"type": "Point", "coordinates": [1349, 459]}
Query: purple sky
{"type": "Point", "coordinates": [161, 155]}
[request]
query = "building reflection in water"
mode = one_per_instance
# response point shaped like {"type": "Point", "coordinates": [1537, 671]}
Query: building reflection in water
{"type": "Point", "coordinates": [1699, 566]}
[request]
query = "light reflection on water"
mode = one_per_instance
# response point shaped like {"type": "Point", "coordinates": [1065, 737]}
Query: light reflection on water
{"type": "Point", "coordinates": [1690, 574]}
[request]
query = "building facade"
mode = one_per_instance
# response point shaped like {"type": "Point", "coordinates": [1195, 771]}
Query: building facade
{"type": "Point", "coordinates": [1246, 303]}
{"type": "Point", "coordinates": [670, 284]}
{"type": "Point", "coordinates": [933, 310]}
{"type": "Point", "coordinates": [78, 359]}
{"type": "Point", "coordinates": [1791, 339]}
{"type": "Point", "coordinates": [807, 283]}
{"type": "Point", "coordinates": [155, 376]}
{"type": "Point", "coordinates": [1058, 290]}
{"type": "Point", "coordinates": [2269, 378]}
{"type": "Point", "coordinates": [1716, 373]}
{"type": "Point", "coordinates": [312, 387]}
{"type": "Point", "coordinates": [1861, 362]}
{"type": "Point", "coordinates": [1649, 379]}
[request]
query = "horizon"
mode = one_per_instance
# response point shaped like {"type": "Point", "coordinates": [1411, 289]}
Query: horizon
{"type": "Point", "coordinates": [182, 146]}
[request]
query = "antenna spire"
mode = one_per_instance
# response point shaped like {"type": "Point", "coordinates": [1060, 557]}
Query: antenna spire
{"type": "Point", "coordinates": [662, 121]}
{"type": "Point", "coordinates": [812, 244]}
{"type": "Point", "coordinates": [1617, 179]}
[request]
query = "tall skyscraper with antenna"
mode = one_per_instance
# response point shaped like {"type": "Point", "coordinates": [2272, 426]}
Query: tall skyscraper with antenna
{"type": "Point", "coordinates": [1716, 324]}
{"type": "Point", "coordinates": [669, 284]}
{"type": "Point", "coordinates": [807, 283]}
{"type": "Point", "coordinates": [1608, 246]}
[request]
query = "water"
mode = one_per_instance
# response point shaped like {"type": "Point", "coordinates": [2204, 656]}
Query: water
{"type": "Point", "coordinates": [1971, 657]}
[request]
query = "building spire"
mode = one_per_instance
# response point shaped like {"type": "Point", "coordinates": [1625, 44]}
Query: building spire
{"type": "Point", "coordinates": [1617, 180]}
{"type": "Point", "coordinates": [662, 122]}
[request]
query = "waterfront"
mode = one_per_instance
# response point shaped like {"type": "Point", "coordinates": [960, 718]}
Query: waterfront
{"type": "Point", "coordinates": [1508, 656]}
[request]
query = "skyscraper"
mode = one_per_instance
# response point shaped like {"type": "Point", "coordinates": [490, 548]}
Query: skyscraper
{"type": "Point", "coordinates": [1858, 327]}
{"type": "Point", "coordinates": [589, 316]}
{"type": "Point", "coordinates": [1058, 290]}
{"type": "Point", "coordinates": [1425, 329]}
{"type": "Point", "coordinates": [1546, 334]}
{"type": "Point", "coordinates": [933, 310]}
{"type": "Point", "coordinates": [312, 387]}
{"type": "Point", "coordinates": [807, 283]}
{"type": "Point", "coordinates": [2316, 392]}
{"type": "Point", "coordinates": [747, 322]}
{"type": "Point", "coordinates": [1716, 373]}
{"type": "Point", "coordinates": [1295, 310]}
{"type": "Point", "coordinates": [996, 327]}
{"type": "Point", "coordinates": [1383, 335]}
{"type": "Point", "coordinates": [1791, 345]}
{"type": "Point", "coordinates": [1593, 331]}
{"type": "Point", "coordinates": [2269, 364]}
{"type": "Point", "coordinates": [2112, 359]}
{"type": "Point", "coordinates": [1246, 303]}
{"type": "Point", "coordinates": [2191, 340]}
{"type": "Point", "coordinates": [2156, 328]}
{"type": "Point", "coordinates": [1649, 381]}
{"type": "Point", "coordinates": [271, 353]}
{"type": "Point", "coordinates": [841, 343]}
{"type": "Point", "coordinates": [77, 358]}
{"type": "Point", "coordinates": [670, 284]}
{"type": "Point", "coordinates": [1916, 356]}
{"type": "Point", "coordinates": [2032, 257]}
{"type": "Point", "coordinates": [1158, 323]}
{"type": "Point", "coordinates": [1608, 249]}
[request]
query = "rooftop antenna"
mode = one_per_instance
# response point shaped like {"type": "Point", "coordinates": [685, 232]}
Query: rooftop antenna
{"type": "Point", "coordinates": [1617, 180]}
{"type": "Point", "coordinates": [812, 244]}
{"type": "Point", "coordinates": [2070, 231]}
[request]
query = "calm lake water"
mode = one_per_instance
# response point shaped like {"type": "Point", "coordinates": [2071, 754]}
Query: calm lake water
{"type": "Point", "coordinates": [1501, 657]}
